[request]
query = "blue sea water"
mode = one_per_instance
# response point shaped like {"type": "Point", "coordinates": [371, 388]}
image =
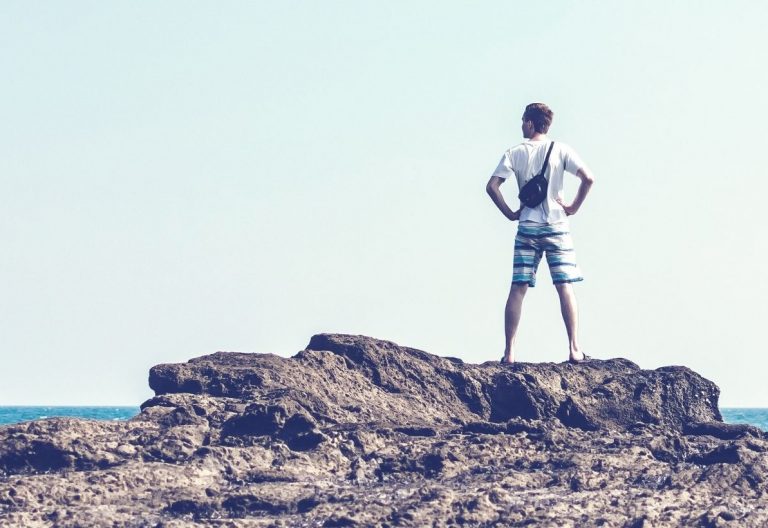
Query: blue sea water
{"type": "Point", "coordinates": [755, 416]}
{"type": "Point", "coordinates": [15, 414]}
{"type": "Point", "coordinates": [9, 415]}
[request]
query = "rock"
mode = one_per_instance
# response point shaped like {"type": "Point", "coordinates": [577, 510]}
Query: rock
{"type": "Point", "coordinates": [417, 431]}
{"type": "Point", "coordinates": [286, 422]}
{"type": "Point", "coordinates": [338, 373]}
{"type": "Point", "coordinates": [258, 420]}
{"type": "Point", "coordinates": [355, 431]}
{"type": "Point", "coordinates": [669, 447]}
{"type": "Point", "coordinates": [722, 430]}
{"type": "Point", "coordinates": [715, 518]}
{"type": "Point", "coordinates": [174, 445]}
{"type": "Point", "coordinates": [484, 428]}
{"type": "Point", "coordinates": [198, 510]}
{"type": "Point", "coordinates": [244, 505]}
{"type": "Point", "coordinates": [722, 454]}
{"type": "Point", "coordinates": [55, 444]}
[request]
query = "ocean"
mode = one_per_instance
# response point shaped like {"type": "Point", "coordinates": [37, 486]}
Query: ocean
{"type": "Point", "coordinates": [757, 416]}
{"type": "Point", "coordinates": [15, 414]}
{"type": "Point", "coordinates": [9, 415]}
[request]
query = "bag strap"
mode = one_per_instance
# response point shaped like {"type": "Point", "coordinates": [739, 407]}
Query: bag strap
{"type": "Point", "coordinates": [546, 160]}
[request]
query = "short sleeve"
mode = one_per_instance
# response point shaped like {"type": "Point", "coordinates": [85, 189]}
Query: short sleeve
{"type": "Point", "coordinates": [504, 170]}
{"type": "Point", "coordinates": [571, 161]}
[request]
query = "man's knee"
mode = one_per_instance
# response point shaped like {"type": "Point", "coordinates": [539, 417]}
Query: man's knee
{"type": "Point", "coordinates": [518, 289]}
{"type": "Point", "coordinates": [564, 289]}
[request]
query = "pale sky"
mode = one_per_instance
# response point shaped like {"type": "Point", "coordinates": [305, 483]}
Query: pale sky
{"type": "Point", "coordinates": [179, 178]}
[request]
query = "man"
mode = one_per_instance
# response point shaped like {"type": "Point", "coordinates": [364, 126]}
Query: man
{"type": "Point", "coordinates": [542, 229]}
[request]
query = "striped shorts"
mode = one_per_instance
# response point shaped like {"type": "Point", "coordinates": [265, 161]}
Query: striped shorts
{"type": "Point", "coordinates": [554, 240]}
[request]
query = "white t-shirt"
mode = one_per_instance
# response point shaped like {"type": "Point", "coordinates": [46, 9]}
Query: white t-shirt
{"type": "Point", "coordinates": [525, 161]}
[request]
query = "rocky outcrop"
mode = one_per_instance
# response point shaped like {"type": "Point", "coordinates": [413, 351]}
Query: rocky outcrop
{"type": "Point", "coordinates": [356, 379]}
{"type": "Point", "coordinates": [354, 431]}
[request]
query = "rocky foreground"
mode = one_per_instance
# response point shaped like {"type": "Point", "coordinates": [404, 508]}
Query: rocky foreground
{"type": "Point", "coordinates": [355, 431]}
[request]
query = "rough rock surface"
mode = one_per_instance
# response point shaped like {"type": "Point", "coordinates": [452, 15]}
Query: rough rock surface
{"type": "Point", "coordinates": [355, 431]}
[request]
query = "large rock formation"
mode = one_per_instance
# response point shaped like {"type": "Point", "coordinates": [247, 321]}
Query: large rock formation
{"type": "Point", "coordinates": [355, 431]}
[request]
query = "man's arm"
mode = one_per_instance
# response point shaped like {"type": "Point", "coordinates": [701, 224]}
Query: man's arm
{"type": "Point", "coordinates": [492, 188]}
{"type": "Point", "coordinates": [587, 179]}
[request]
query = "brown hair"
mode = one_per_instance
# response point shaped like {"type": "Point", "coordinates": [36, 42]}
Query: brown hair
{"type": "Point", "coordinates": [541, 115]}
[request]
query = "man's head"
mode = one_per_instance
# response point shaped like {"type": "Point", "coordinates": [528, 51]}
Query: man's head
{"type": "Point", "coordinates": [536, 119]}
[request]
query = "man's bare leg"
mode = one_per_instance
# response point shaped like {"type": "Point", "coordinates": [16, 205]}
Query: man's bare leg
{"type": "Point", "coordinates": [570, 311]}
{"type": "Point", "coordinates": [512, 318]}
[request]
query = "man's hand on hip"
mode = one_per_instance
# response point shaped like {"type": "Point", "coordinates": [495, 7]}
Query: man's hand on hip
{"type": "Point", "coordinates": [492, 188]}
{"type": "Point", "coordinates": [586, 183]}
{"type": "Point", "coordinates": [570, 210]}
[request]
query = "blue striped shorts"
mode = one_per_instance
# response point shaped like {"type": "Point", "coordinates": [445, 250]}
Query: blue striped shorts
{"type": "Point", "coordinates": [554, 240]}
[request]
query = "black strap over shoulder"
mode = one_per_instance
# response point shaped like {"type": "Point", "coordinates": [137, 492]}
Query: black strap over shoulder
{"type": "Point", "coordinates": [546, 160]}
{"type": "Point", "coordinates": [535, 190]}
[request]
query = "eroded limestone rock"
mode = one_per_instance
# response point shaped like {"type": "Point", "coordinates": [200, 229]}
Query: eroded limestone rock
{"type": "Point", "coordinates": [355, 431]}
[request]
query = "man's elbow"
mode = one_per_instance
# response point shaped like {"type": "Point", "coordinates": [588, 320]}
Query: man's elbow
{"type": "Point", "coordinates": [492, 187]}
{"type": "Point", "coordinates": [586, 176]}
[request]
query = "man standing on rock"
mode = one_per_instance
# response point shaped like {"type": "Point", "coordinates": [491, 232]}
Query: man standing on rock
{"type": "Point", "coordinates": [544, 228]}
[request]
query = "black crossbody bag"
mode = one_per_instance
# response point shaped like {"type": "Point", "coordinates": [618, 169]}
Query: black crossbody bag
{"type": "Point", "coordinates": [535, 190]}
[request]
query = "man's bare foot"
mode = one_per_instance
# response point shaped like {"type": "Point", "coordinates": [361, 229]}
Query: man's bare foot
{"type": "Point", "coordinates": [578, 357]}
{"type": "Point", "coordinates": [507, 358]}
